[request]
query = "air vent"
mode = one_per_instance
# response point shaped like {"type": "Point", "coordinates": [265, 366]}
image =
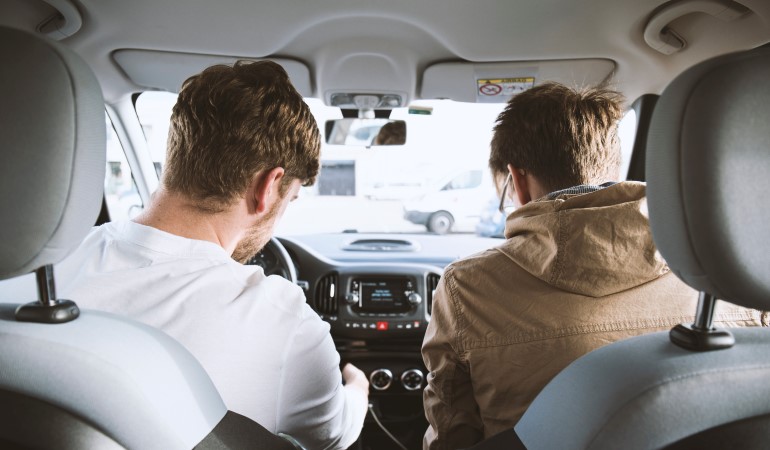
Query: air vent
{"type": "Point", "coordinates": [326, 293]}
{"type": "Point", "coordinates": [381, 245]}
{"type": "Point", "coordinates": [432, 283]}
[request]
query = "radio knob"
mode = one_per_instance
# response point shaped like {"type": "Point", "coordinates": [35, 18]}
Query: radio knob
{"type": "Point", "coordinates": [352, 298]}
{"type": "Point", "coordinates": [380, 379]}
{"type": "Point", "coordinates": [414, 298]}
{"type": "Point", "coordinates": [412, 379]}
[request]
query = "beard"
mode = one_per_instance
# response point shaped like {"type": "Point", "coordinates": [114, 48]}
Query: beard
{"type": "Point", "coordinates": [256, 237]}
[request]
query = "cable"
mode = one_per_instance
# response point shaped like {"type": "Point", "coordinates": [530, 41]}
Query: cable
{"type": "Point", "coordinates": [376, 419]}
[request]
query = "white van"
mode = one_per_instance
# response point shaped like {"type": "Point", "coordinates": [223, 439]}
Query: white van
{"type": "Point", "coordinates": [453, 204]}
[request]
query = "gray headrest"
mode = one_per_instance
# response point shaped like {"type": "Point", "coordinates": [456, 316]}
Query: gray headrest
{"type": "Point", "coordinates": [52, 142]}
{"type": "Point", "coordinates": [708, 175]}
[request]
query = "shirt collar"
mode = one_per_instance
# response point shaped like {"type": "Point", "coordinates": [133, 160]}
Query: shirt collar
{"type": "Point", "coordinates": [577, 190]}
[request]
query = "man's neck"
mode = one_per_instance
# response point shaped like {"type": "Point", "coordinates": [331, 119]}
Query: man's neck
{"type": "Point", "coordinates": [177, 214]}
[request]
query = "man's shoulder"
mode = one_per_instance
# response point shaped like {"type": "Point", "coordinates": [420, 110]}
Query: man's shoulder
{"type": "Point", "coordinates": [491, 257]}
{"type": "Point", "coordinates": [104, 234]}
{"type": "Point", "coordinates": [103, 231]}
{"type": "Point", "coordinates": [279, 293]}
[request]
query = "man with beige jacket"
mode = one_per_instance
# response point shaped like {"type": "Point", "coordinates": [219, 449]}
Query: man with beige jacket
{"type": "Point", "coordinates": [578, 269]}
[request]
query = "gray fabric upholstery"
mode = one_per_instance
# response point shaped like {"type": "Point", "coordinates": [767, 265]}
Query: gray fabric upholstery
{"type": "Point", "coordinates": [708, 167]}
{"type": "Point", "coordinates": [645, 393]}
{"type": "Point", "coordinates": [53, 151]}
{"type": "Point", "coordinates": [134, 382]}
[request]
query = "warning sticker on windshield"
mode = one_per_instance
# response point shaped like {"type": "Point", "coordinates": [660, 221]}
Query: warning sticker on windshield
{"type": "Point", "coordinates": [496, 90]}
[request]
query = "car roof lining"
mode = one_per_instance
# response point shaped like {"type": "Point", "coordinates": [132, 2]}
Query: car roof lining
{"type": "Point", "coordinates": [410, 35]}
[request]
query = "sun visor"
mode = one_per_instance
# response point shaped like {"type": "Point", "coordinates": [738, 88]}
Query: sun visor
{"type": "Point", "coordinates": [168, 70]}
{"type": "Point", "coordinates": [498, 82]}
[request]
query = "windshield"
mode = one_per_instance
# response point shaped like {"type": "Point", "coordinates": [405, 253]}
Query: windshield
{"type": "Point", "coordinates": [438, 182]}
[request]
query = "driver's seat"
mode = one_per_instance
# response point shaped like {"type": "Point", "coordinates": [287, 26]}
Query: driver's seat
{"type": "Point", "coordinates": [72, 379]}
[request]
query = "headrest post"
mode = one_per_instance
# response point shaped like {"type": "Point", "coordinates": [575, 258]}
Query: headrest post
{"type": "Point", "coordinates": [701, 336]}
{"type": "Point", "coordinates": [47, 309]}
{"type": "Point", "coordinates": [46, 288]}
{"type": "Point", "coordinates": [704, 315]}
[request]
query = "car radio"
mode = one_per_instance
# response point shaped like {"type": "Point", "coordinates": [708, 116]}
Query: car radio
{"type": "Point", "coordinates": [382, 295]}
{"type": "Point", "coordinates": [374, 305]}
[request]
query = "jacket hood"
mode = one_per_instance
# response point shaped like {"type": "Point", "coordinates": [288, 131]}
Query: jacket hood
{"type": "Point", "coordinates": [593, 244]}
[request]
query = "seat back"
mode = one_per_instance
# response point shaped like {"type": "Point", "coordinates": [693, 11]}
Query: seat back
{"type": "Point", "coordinates": [100, 381]}
{"type": "Point", "coordinates": [72, 379]}
{"type": "Point", "coordinates": [708, 160]}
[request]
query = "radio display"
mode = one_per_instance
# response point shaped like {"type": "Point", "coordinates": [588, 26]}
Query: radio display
{"type": "Point", "coordinates": [384, 295]}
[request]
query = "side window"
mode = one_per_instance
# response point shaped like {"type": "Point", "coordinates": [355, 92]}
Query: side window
{"type": "Point", "coordinates": [154, 111]}
{"type": "Point", "coordinates": [626, 134]}
{"type": "Point", "coordinates": [123, 201]}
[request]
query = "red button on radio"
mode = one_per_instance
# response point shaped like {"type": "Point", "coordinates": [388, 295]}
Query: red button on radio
{"type": "Point", "coordinates": [382, 326]}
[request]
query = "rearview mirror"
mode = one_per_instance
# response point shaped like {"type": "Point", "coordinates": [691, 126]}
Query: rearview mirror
{"type": "Point", "coordinates": [366, 132]}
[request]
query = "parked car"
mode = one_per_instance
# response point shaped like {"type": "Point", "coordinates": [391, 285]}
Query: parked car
{"type": "Point", "coordinates": [453, 204]}
{"type": "Point", "coordinates": [492, 221]}
{"type": "Point", "coordinates": [395, 190]}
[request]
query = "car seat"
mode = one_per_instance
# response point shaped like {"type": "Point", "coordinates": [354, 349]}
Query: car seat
{"type": "Point", "coordinates": [708, 172]}
{"type": "Point", "coordinates": [72, 379]}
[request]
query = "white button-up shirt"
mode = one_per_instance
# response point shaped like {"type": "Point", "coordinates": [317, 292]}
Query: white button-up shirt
{"type": "Point", "coordinates": [270, 356]}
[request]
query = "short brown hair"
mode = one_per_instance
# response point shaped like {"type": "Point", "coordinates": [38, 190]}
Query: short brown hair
{"type": "Point", "coordinates": [232, 122]}
{"type": "Point", "coordinates": [563, 137]}
{"type": "Point", "coordinates": [392, 133]}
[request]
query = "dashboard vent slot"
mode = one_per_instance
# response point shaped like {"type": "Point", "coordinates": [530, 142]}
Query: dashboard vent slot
{"type": "Point", "coordinates": [381, 245]}
{"type": "Point", "coordinates": [432, 283]}
{"type": "Point", "coordinates": [326, 294]}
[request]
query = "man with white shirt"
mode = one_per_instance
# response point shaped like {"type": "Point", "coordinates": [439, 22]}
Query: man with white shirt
{"type": "Point", "coordinates": [241, 143]}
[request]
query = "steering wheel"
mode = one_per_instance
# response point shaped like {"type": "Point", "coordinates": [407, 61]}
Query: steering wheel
{"type": "Point", "coordinates": [275, 260]}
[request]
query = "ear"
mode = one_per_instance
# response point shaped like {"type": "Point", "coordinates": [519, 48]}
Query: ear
{"type": "Point", "coordinates": [264, 189]}
{"type": "Point", "coordinates": [521, 185]}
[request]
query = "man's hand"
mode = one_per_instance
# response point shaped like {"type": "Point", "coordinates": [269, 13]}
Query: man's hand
{"type": "Point", "coordinates": [355, 379]}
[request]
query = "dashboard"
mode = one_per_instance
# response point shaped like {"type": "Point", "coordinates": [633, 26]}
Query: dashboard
{"type": "Point", "coordinates": [376, 293]}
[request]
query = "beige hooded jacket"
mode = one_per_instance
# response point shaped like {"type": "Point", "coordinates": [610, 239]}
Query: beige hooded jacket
{"type": "Point", "coordinates": [575, 273]}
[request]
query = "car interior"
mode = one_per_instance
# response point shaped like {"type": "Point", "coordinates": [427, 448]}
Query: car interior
{"type": "Point", "coordinates": [87, 91]}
